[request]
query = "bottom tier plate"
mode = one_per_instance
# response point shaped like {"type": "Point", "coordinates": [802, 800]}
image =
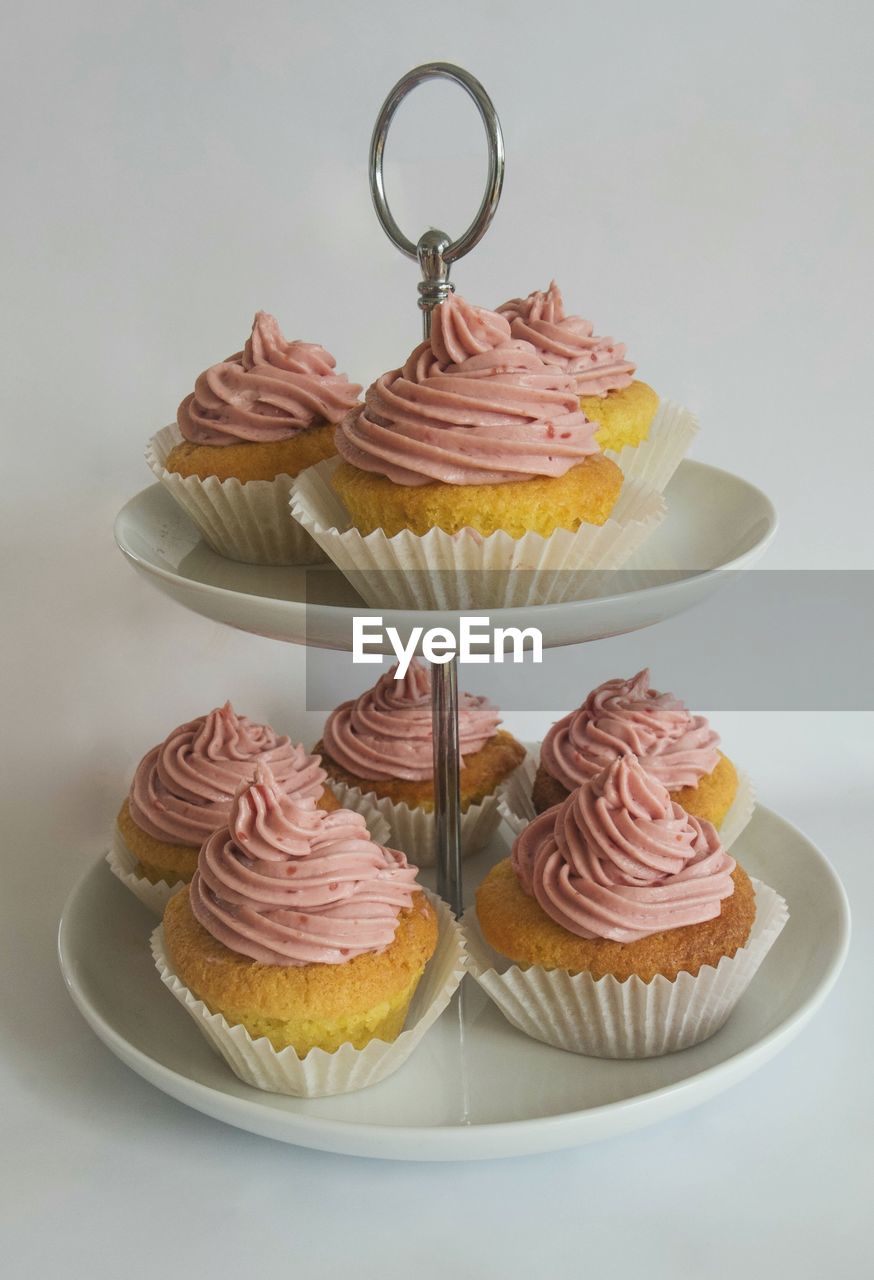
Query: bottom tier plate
{"type": "Point", "coordinates": [475, 1088]}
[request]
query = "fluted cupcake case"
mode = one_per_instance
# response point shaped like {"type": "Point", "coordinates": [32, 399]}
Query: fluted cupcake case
{"type": "Point", "coordinates": [631, 1019]}
{"type": "Point", "coordinates": [654, 460]}
{"type": "Point", "coordinates": [413, 829]}
{"type": "Point", "coordinates": [125, 867]}
{"type": "Point", "coordinates": [247, 522]}
{"type": "Point", "coordinates": [348, 1069]}
{"type": "Point", "coordinates": [465, 570]}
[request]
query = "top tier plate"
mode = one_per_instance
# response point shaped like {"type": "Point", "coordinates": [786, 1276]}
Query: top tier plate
{"type": "Point", "coordinates": [716, 523]}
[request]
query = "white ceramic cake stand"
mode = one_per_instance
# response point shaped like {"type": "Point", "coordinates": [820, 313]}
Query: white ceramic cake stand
{"type": "Point", "coordinates": [475, 1087]}
{"type": "Point", "coordinates": [716, 525]}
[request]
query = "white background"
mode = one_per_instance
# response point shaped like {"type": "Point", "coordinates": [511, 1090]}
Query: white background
{"type": "Point", "coordinates": [698, 179]}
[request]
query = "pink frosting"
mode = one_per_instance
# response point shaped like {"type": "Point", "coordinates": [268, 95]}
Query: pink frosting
{"type": "Point", "coordinates": [620, 860]}
{"type": "Point", "coordinates": [269, 391]}
{"type": "Point", "coordinates": [386, 732]}
{"type": "Point", "coordinates": [622, 716]}
{"type": "Point", "coordinates": [471, 406]}
{"type": "Point", "coordinates": [598, 365]}
{"type": "Point", "coordinates": [287, 884]}
{"type": "Point", "coordinates": [183, 789]}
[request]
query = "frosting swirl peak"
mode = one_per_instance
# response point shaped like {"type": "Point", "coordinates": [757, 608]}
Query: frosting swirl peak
{"type": "Point", "coordinates": [183, 789]}
{"type": "Point", "coordinates": [386, 732]}
{"type": "Point", "coordinates": [472, 405]}
{"type": "Point", "coordinates": [620, 860]}
{"type": "Point", "coordinates": [287, 884]}
{"type": "Point", "coordinates": [622, 716]}
{"type": "Point", "coordinates": [597, 365]}
{"type": "Point", "coordinates": [271, 390]}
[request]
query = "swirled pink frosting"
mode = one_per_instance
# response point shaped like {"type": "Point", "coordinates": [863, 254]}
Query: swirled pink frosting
{"type": "Point", "coordinates": [623, 716]}
{"type": "Point", "coordinates": [287, 884]}
{"type": "Point", "coordinates": [269, 391]}
{"type": "Point", "coordinates": [598, 365]}
{"type": "Point", "coordinates": [620, 860]}
{"type": "Point", "coordinates": [472, 405]}
{"type": "Point", "coordinates": [386, 732]}
{"type": "Point", "coordinates": [183, 789]}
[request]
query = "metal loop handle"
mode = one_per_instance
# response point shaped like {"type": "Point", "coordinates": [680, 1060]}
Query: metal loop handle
{"type": "Point", "coordinates": [453, 249]}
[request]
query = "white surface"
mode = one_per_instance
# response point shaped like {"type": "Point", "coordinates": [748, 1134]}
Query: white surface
{"type": "Point", "coordinates": [696, 178]}
{"type": "Point", "coordinates": [471, 1090]}
{"type": "Point", "coordinates": [714, 521]}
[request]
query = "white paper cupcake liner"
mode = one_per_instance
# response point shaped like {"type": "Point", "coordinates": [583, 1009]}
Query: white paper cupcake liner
{"type": "Point", "coordinates": [632, 1019]}
{"type": "Point", "coordinates": [413, 830]}
{"type": "Point", "coordinates": [465, 570]}
{"type": "Point", "coordinates": [655, 460]}
{"type": "Point", "coordinates": [321, 1074]}
{"type": "Point", "coordinates": [125, 866]}
{"type": "Point", "coordinates": [517, 808]}
{"type": "Point", "coordinates": [250, 522]}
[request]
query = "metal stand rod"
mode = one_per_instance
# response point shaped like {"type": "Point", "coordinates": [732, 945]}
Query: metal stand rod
{"type": "Point", "coordinates": [435, 252]}
{"type": "Point", "coordinates": [433, 288]}
{"type": "Point", "coordinates": [447, 798]}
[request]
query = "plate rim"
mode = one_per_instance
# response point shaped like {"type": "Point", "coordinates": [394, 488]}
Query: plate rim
{"type": "Point", "coordinates": [495, 1139]}
{"type": "Point", "coordinates": [501, 614]}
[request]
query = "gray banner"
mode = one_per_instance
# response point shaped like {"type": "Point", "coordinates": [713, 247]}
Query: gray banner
{"type": "Point", "coordinates": [766, 640]}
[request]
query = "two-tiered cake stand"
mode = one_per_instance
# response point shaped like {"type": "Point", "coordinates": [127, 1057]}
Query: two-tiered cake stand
{"type": "Point", "coordinates": [475, 1087]}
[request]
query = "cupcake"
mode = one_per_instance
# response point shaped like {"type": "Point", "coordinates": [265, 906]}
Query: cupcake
{"type": "Point", "coordinates": [252, 423]}
{"type": "Point", "coordinates": [648, 440]}
{"type": "Point", "coordinates": [476, 431]}
{"type": "Point", "coordinates": [184, 788]}
{"type": "Point", "coordinates": [378, 753]}
{"type": "Point", "coordinates": [610, 395]}
{"type": "Point", "coordinates": [622, 925]}
{"type": "Point", "coordinates": [297, 927]}
{"type": "Point", "coordinates": [680, 750]}
{"type": "Point", "coordinates": [470, 478]}
{"type": "Point", "coordinates": [617, 879]}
